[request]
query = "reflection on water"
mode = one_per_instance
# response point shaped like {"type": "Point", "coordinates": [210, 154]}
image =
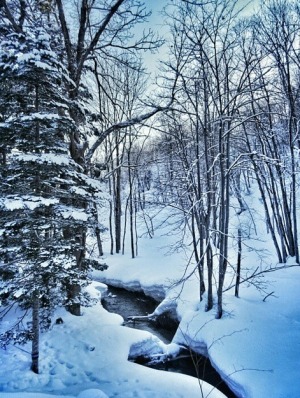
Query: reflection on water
{"type": "Point", "coordinates": [126, 304]}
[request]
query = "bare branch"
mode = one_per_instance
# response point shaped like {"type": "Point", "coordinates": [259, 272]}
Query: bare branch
{"type": "Point", "coordinates": [9, 16]}
{"type": "Point", "coordinates": [123, 125]}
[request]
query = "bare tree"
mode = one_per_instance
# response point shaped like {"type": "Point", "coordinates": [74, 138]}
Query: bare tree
{"type": "Point", "coordinates": [212, 89]}
{"type": "Point", "coordinates": [271, 134]}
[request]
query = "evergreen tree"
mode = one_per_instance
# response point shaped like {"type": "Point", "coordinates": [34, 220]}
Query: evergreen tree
{"type": "Point", "coordinates": [45, 196]}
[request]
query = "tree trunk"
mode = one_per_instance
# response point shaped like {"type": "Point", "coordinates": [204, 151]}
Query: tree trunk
{"type": "Point", "coordinates": [97, 232]}
{"type": "Point", "coordinates": [99, 241]}
{"type": "Point", "coordinates": [238, 267]}
{"type": "Point", "coordinates": [118, 203]}
{"type": "Point", "coordinates": [35, 332]}
{"type": "Point", "coordinates": [74, 289]}
{"type": "Point", "coordinates": [73, 294]}
{"type": "Point", "coordinates": [125, 226]}
{"type": "Point", "coordinates": [209, 261]}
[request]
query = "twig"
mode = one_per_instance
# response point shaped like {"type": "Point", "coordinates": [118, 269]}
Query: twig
{"type": "Point", "coordinates": [270, 294]}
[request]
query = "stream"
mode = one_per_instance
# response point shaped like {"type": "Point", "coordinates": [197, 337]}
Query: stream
{"type": "Point", "coordinates": [127, 303]}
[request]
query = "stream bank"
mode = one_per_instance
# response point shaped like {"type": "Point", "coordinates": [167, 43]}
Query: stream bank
{"type": "Point", "coordinates": [127, 303]}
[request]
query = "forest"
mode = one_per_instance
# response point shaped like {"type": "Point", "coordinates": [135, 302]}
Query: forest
{"type": "Point", "coordinates": [93, 142]}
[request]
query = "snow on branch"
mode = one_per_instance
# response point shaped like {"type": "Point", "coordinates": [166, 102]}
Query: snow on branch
{"type": "Point", "coordinates": [26, 202]}
{"type": "Point", "coordinates": [47, 158]}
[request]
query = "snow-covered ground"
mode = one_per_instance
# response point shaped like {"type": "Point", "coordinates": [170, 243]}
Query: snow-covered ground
{"type": "Point", "coordinates": [255, 346]}
{"type": "Point", "coordinates": [86, 357]}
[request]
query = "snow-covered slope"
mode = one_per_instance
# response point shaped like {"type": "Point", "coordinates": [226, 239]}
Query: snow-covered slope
{"type": "Point", "coordinates": [255, 346]}
{"type": "Point", "coordinates": [86, 357]}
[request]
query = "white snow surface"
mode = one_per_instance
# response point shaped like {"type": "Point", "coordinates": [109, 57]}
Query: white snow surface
{"type": "Point", "coordinates": [86, 357]}
{"type": "Point", "coordinates": [255, 346]}
{"type": "Point", "coordinates": [49, 158]}
{"type": "Point", "coordinates": [26, 202]}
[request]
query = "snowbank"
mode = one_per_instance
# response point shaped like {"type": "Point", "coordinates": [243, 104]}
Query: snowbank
{"type": "Point", "coordinates": [87, 357]}
{"type": "Point", "coordinates": [255, 346]}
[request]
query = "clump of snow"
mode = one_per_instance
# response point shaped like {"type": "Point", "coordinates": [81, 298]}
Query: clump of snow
{"type": "Point", "coordinates": [13, 204]}
{"type": "Point", "coordinates": [169, 304]}
{"type": "Point", "coordinates": [92, 393]}
{"type": "Point", "coordinates": [152, 346]}
{"type": "Point", "coordinates": [76, 214]}
{"type": "Point", "coordinates": [49, 158]}
{"type": "Point", "coordinates": [27, 202]}
{"type": "Point", "coordinates": [157, 292]}
{"type": "Point", "coordinates": [39, 116]}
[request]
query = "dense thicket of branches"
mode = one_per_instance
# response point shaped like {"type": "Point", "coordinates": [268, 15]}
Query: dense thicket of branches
{"type": "Point", "coordinates": [235, 118]}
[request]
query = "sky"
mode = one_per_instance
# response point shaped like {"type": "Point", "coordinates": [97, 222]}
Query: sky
{"type": "Point", "coordinates": [157, 22]}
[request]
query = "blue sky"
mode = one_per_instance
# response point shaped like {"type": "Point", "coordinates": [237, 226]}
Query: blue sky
{"type": "Point", "coordinates": [157, 24]}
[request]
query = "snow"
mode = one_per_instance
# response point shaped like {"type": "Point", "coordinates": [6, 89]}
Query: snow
{"type": "Point", "coordinates": [49, 158]}
{"type": "Point", "coordinates": [86, 357]}
{"type": "Point", "coordinates": [29, 202]}
{"type": "Point", "coordinates": [76, 214]}
{"type": "Point", "coordinates": [255, 346]}
{"type": "Point", "coordinates": [39, 116]}
{"type": "Point", "coordinates": [37, 395]}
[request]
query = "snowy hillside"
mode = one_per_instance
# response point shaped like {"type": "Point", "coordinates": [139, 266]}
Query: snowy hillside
{"type": "Point", "coordinates": [254, 346]}
{"type": "Point", "coordinates": [86, 357]}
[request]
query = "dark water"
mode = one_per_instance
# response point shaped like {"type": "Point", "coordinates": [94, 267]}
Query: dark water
{"type": "Point", "coordinates": [126, 304]}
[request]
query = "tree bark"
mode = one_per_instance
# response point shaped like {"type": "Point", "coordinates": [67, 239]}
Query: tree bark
{"type": "Point", "coordinates": [238, 266]}
{"type": "Point", "coordinates": [35, 332]}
